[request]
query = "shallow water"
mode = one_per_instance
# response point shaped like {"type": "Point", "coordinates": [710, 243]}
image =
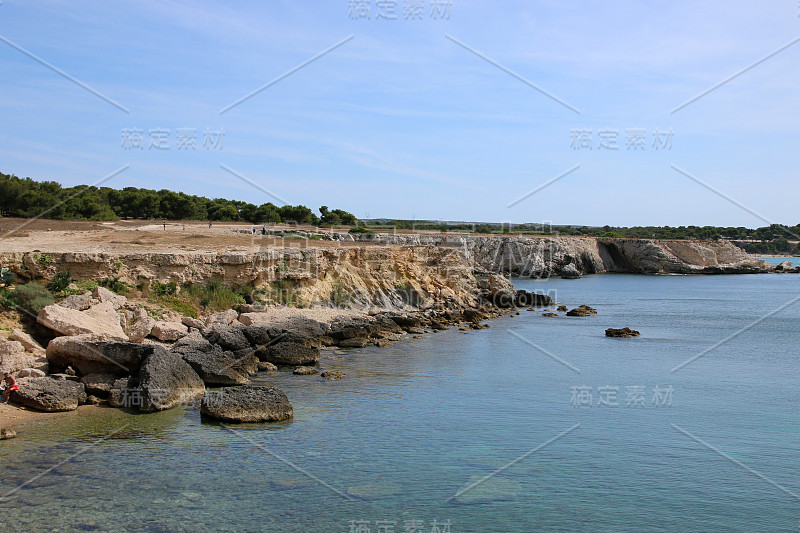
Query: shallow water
{"type": "Point", "coordinates": [414, 423]}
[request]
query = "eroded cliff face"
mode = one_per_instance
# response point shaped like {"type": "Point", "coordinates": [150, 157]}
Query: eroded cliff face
{"type": "Point", "coordinates": [550, 255]}
{"type": "Point", "coordinates": [408, 272]}
{"type": "Point", "coordinates": [392, 277]}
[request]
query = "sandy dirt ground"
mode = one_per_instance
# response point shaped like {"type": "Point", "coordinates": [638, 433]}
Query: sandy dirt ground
{"type": "Point", "coordinates": [20, 235]}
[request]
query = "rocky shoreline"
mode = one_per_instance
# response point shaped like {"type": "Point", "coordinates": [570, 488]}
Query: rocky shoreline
{"type": "Point", "coordinates": [106, 350]}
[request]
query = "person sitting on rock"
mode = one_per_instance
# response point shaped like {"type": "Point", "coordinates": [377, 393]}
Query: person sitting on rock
{"type": "Point", "coordinates": [10, 385]}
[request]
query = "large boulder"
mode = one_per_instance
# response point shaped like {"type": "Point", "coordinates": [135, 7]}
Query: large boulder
{"type": "Point", "coordinates": [88, 356]}
{"type": "Point", "coordinates": [526, 299]}
{"type": "Point", "coordinates": [47, 394]}
{"type": "Point", "coordinates": [142, 325]}
{"type": "Point", "coordinates": [27, 342]}
{"type": "Point", "coordinates": [100, 320]}
{"type": "Point", "coordinates": [105, 295]}
{"type": "Point", "coordinates": [260, 334]}
{"type": "Point", "coordinates": [498, 291]}
{"type": "Point", "coordinates": [13, 357]}
{"type": "Point", "coordinates": [247, 403]}
{"type": "Point", "coordinates": [289, 349]}
{"type": "Point", "coordinates": [224, 317]}
{"type": "Point", "coordinates": [169, 331]}
{"type": "Point", "coordinates": [167, 381]}
{"type": "Point", "coordinates": [350, 328]}
{"type": "Point", "coordinates": [214, 365]}
{"type": "Point", "coordinates": [230, 337]}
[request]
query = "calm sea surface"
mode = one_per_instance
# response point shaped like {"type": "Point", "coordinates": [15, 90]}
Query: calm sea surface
{"type": "Point", "coordinates": [535, 424]}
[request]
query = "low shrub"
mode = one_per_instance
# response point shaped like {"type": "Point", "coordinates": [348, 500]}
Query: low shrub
{"type": "Point", "coordinates": [32, 297]}
{"type": "Point", "coordinates": [60, 282]}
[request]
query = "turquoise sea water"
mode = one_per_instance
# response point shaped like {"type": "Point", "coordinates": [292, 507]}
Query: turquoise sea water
{"type": "Point", "coordinates": [778, 259]}
{"type": "Point", "coordinates": [712, 446]}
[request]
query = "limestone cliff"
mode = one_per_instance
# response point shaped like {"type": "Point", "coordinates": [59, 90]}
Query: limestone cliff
{"type": "Point", "coordinates": [407, 271]}
{"type": "Point", "coordinates": [549, 255]}
{"type": "Point", "coordinates": [395, 277]}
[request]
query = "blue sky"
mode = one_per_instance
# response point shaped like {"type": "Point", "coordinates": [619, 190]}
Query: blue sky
{"type": "Point", "coordinates": [409, 118]}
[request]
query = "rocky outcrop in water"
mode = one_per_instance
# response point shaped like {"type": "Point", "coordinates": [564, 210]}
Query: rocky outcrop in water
{"type": "Point", "coordinates": [247, 404]}
{"type": "Point", "coordinates": [621, 332]}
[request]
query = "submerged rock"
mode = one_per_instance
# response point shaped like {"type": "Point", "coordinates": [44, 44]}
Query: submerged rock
{"type": "Point", "coordinates": [6, 433]}
{"type": "Point", "coordinates": [248, 403]}
{"type": "Point", "coordinates": [582, 310]}
{"type": "Point", "coordinates": [305, 370]}
{"type": "Point", "coordinates": [480, 489]}
{"type": "Point", "coordinates": [622, 332]}
{"type": "Point", "coordinates": [332, 375]}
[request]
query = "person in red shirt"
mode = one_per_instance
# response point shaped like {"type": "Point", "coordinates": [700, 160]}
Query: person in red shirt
{"type": "Point", "coordinates": [10, 385]}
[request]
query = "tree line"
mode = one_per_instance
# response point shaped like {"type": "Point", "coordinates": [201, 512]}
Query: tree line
{"type": "Point", "coordinates": [28, 198]}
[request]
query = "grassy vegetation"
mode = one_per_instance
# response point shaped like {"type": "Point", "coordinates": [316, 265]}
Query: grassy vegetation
{"type": "Point", "coordinates": [194, 299]}
{"type": "Point", "coordinates": [30, 298]}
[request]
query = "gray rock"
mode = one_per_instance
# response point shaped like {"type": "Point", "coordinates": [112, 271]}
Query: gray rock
{"type": "Point", "coordinates": [193, 323]}
{"type": "Point", "coordinates": [289, 353]}
{"type": "Point", "coordinates": [167, 381]}
{"type": "Point", "coordinates": [31, 373]}
{"type": "Point", "coordinates": [90, 356]}
{"type": "Point", "coordinates": [13, 357]}
{"type": "Point", "coordinates": [142, 325]}
{"type": "Point", "coordinates": [498, 291]}
{"type": "Point", "coordinates": [247, 403]}
{"type": "Point", "coordinates": [105, 295]}
{"type": "Point", "coordinates": [305, 370]}
{"type": "Point", "coordinates": [77, 302]}
{"type": "Point", "coordinates": [569, 271]}
{"type": "Point", "coordinates": [98, 384]}
{"type": "Point", "coordinates": [46, 394]}
{"type": "Point", "coordinates": [224, 317]}
{"type": "Point", "coordinates": [332, 375]}
{"type": "Point", "coordinates": [214, 365]}
{"type": "Point", "coordinates": [582, 310]}
{"type": "Point", "coordinates": [27, 342]}
{"type": "Point", "coordinates": [100, 320]}
{"type": "Point", "coordinates": [230, 337]}
{"type": "Point", "coordinates": [169, 331]}
{"type": "Point", "coordinates": [258, 335]}
{"type": "Point", "coordinates": [120, 393]}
